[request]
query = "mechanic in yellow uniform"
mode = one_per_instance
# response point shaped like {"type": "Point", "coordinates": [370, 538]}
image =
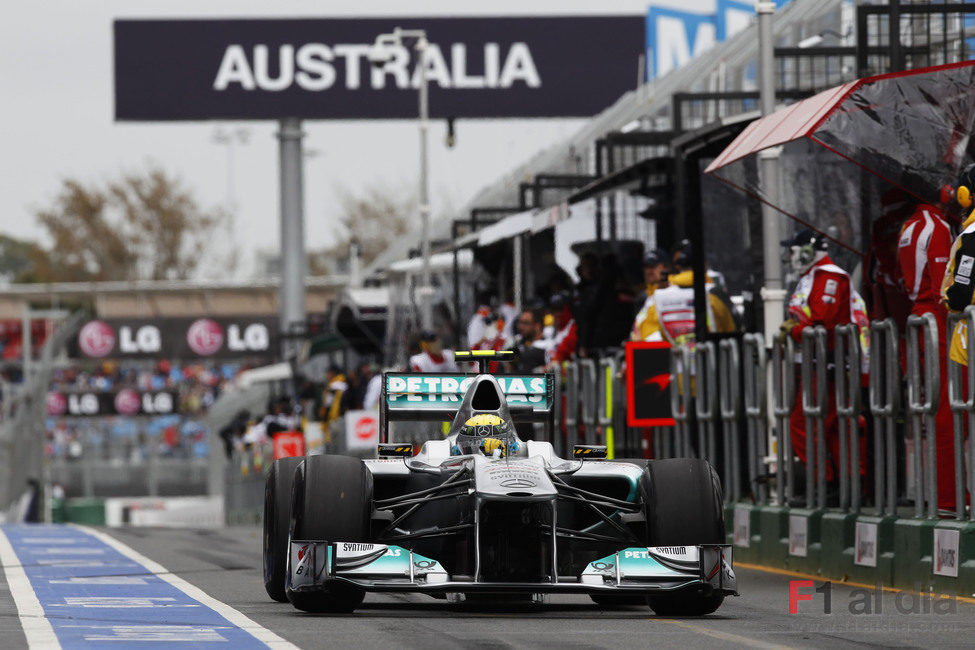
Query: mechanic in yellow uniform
{"type": "Point", "coordinates": [655, 268]}
{"type": "Point", "coordinates": [958, 290]}
{"type": "Point", "coordinates": [670, 310]}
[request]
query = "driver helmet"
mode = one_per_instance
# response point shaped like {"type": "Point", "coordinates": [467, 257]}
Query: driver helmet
{"type": "Point", "coordinates": [488, 434]}
{"type": "Point", "coordinates": [805, 249]}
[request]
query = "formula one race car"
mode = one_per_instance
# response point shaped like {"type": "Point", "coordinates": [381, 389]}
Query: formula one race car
{"type": "Point", "coordinates": [483, 514]}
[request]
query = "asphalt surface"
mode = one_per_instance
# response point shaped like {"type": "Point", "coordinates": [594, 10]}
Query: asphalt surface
{"type": "Point", "coordinates": [225, 564]}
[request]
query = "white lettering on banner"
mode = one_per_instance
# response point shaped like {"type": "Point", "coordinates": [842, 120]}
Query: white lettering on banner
{"type": "Point", "coordinates": [147, 339]}
{"type": "Point", "coordinates": [158, 403]}
{"type": "Point", "coordinates": [255, 338]}
{"type": "Point", "coordinates": [83, 404]}
{"type": "Point", "coordinates": [315, 72]}
{"type": "Point", "coordinates": [865, 551]}
{"type": "Point", "coordinates": [798, 535]}
{"type": "Point", "coordinates": [285, 68]}
{"type": "Point", "coordinates": [517, 386]}
{"type": "Point", "coordinates": [315, 67]}
{"type": "Point", "coordinates": [432, 383]}
{"type": "Point", "coordinates": [450, 385]}
{"type": "Point", "coordinates": [413, 384]}
{"type": "Point", "coordinates": [674, 48]}
{"type": "Point", "coordinates": [396, 385]}
{"type": "Point", "coordinates": [946, 549]}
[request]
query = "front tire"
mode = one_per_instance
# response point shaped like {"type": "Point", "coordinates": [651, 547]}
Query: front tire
{"type": "Point", "coordinates": [683, 504]}
{"type": "Point", "coordinates": [277, 520]}
{"type": "Point", "coordinates": [332, 502]}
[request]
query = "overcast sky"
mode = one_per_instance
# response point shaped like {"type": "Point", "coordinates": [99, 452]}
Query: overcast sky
{"type": "Point", "coordinates": [57, 120]}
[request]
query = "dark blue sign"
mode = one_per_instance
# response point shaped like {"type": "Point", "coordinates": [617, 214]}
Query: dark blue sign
{"type": "Point", "coordinates": [321, 68]}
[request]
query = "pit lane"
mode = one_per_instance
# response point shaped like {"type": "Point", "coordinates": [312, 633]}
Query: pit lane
{"type": "Point", "coordinates": [225, 563]}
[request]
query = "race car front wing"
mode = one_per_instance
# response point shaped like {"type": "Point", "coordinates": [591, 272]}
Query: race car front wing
{"type": "Point", "coordinates": [312, 565]}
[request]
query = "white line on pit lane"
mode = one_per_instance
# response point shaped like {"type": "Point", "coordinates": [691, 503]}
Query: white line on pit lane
{"type": "Point", "coordinates": [36, 627]}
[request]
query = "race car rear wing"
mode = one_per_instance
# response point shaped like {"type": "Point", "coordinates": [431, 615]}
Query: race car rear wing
{"type": "Point", "coordinates": [428, 397]}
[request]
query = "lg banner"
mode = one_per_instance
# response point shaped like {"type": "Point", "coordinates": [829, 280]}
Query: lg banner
{"type": "Point", "coordinates": [124, 402]}
{"type": "Point", "coordinates": [176, 338]}
{"type": "Point", "coordinates": [321, 69]}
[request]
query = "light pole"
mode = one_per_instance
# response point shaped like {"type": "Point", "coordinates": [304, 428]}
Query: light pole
{"type": "Point", "coordinates": [773, 293]}
{"type": "Point", "coordinates": [379, 56]}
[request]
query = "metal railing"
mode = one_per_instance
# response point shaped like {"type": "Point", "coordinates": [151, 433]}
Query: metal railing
{"type": "Point", "coordinates": [744, 394]}
{"type": "Point", "coordinates": [961, 398]}
{"type": "Point", "coordinates": [815, 394]}
{"type": "Point", "coordinates": [848, 378]}
{"type": "Point", "coordinates": [884, 392]}
{"type": "Point", "coordinates": [923, 389]}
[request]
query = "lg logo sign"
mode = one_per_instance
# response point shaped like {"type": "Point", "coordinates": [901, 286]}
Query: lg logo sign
{"type": "Point", "coordinates": [96, 339]}
{"type": "Point", "coordinates": [205, 337]}
{"type": "Point", "coordinates": [145, 339]}
{"type": "Point", "coordinates": [180, 338]}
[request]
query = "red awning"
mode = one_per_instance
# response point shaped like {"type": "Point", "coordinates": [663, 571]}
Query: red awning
{"type": "Point", "coordinates": [790, 123]}
{"type": "Point", "coordinates": [846, 154]}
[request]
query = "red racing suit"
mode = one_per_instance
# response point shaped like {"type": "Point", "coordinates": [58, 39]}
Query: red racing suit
{"type": "Point", "coordinates": [823, 296]}
{"type": "Point", "coordinates": [923, 251]}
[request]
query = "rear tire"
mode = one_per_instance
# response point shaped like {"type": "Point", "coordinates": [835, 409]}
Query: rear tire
{"type": "Point", "coordinates": [332, 502]}
{"type": "Point", "coordinates": [277, 520]}
{"type": "Point", "coordinates": [683, 508]}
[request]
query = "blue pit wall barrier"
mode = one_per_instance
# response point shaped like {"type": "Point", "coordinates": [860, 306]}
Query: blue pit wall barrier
{"type": "Point", "coordinates": [845, 515]}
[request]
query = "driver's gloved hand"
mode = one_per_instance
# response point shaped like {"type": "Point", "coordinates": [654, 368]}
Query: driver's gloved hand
{"type": "Point", "coordinates": [489, 445]}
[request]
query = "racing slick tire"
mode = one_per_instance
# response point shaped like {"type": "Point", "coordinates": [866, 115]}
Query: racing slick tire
{"type": "Point", "coordinates": [277, 519]}
{"type": "Point", "coordinates": [682, 497]}
{"type": "Point", "coordinates": [332, 501]}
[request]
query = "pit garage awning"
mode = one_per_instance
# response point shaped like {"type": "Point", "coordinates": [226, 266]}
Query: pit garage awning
{"type": "Point", "coordinates": [848, 154]}
{"type": "Point", "coordinates": [507, 228]}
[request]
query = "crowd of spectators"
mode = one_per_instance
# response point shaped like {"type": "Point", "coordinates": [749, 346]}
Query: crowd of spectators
{"type": "Point", "coordinates": [134, 440]}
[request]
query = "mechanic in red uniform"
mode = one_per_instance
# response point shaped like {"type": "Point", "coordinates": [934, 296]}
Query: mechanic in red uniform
{"type": "Point", "coordinates": [823, 296]}
{"type": "Point", "coordinates": [923, 251]}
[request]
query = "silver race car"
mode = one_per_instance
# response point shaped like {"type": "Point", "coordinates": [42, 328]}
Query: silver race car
{"type": "Point", "coordinates": [482, 513]}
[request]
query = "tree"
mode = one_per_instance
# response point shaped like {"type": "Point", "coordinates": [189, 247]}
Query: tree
{"type": "Point", "coordinates": [375, 217]}
{"type": "Point", "coordinates": [21, 260]}
{"type": "Point", "coordinates": [140, 227]}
